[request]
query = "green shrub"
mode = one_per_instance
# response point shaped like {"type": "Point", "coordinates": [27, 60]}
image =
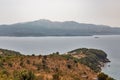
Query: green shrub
{"type": "Point", "coordinates": [69, 66]}
{"type": "Point", "coordinates": [4, 72]}
{"type": "Point", "coordinates": [10, 64]}
{"type": "Point", "coordinates": [109, 78]}
{"type": "Point", "coordinates": [39, 56]}
{"type": "Point", "coordinates": [56, 76]}
{"type": "Point", "coordinates": [24, 75]}
{"type": "Point", "coordinates": [28, 61]}
{"type": "Point", "coordinates": [39, 66]}
{"type": "Point", "coordinates": [33, 54]}
{"type": "Point", "coordinates": [1, 64]}
{"type": "Point", "coordinates": [21, 64]}
{"type": "Point", "coordinates": [102, 76]}
{"type": "Point", "coordinates": [44, 57]}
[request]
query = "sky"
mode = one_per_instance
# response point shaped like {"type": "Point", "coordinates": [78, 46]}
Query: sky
{"type": "Point", "coordinates": [103, 12]}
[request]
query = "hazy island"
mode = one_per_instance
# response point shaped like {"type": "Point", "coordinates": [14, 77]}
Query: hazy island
{"type": "Point", "coordinates": [44, 27]}
{"type": "Point", "coordinates": [79, 64]}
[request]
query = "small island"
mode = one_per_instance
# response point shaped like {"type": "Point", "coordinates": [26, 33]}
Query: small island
{"type": "Point", "coordinates": [79, 64]}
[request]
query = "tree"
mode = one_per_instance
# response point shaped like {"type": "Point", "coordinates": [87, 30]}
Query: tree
{"type": "Point", "coordinates": [102, 76]}
{"type": "Point", "coordinates": [109, 78]}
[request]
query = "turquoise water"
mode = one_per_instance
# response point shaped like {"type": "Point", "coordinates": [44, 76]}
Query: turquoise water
{"type": "Point", "coordinates": [46, 45]}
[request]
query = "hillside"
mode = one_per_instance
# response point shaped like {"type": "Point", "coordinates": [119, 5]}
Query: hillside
{"type": "Point", "coordinates": [52, 67]}
{"type": "Point", "coordinates": [49, 28]}
{"type": "Point", "coordinates": [5, 52]}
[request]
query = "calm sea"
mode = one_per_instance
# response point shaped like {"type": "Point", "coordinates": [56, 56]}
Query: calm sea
{"type": "Point", "coordinates": [46, 45]}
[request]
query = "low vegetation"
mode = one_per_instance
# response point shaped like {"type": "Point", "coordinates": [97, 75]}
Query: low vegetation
{"type": "Point", "coordinates": [75, 65]}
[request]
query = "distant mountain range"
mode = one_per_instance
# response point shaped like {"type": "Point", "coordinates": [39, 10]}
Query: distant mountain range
{"type": "Point", "coordinates": [49, 28]}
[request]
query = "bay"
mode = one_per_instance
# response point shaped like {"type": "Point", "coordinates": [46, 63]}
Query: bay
{"type": "Point", "coordinates": [46, 45]}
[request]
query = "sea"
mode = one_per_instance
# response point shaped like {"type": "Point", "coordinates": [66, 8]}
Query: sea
{"type": "Point", "coordinates": [50, 44]}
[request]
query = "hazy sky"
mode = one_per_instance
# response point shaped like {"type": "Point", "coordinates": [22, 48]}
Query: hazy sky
{"type": "Point", "coordinates": [105, 12]}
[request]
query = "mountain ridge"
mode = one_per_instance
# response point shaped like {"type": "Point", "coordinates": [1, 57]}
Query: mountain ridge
{"type": "Point", "coordinates": [45, 27]}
